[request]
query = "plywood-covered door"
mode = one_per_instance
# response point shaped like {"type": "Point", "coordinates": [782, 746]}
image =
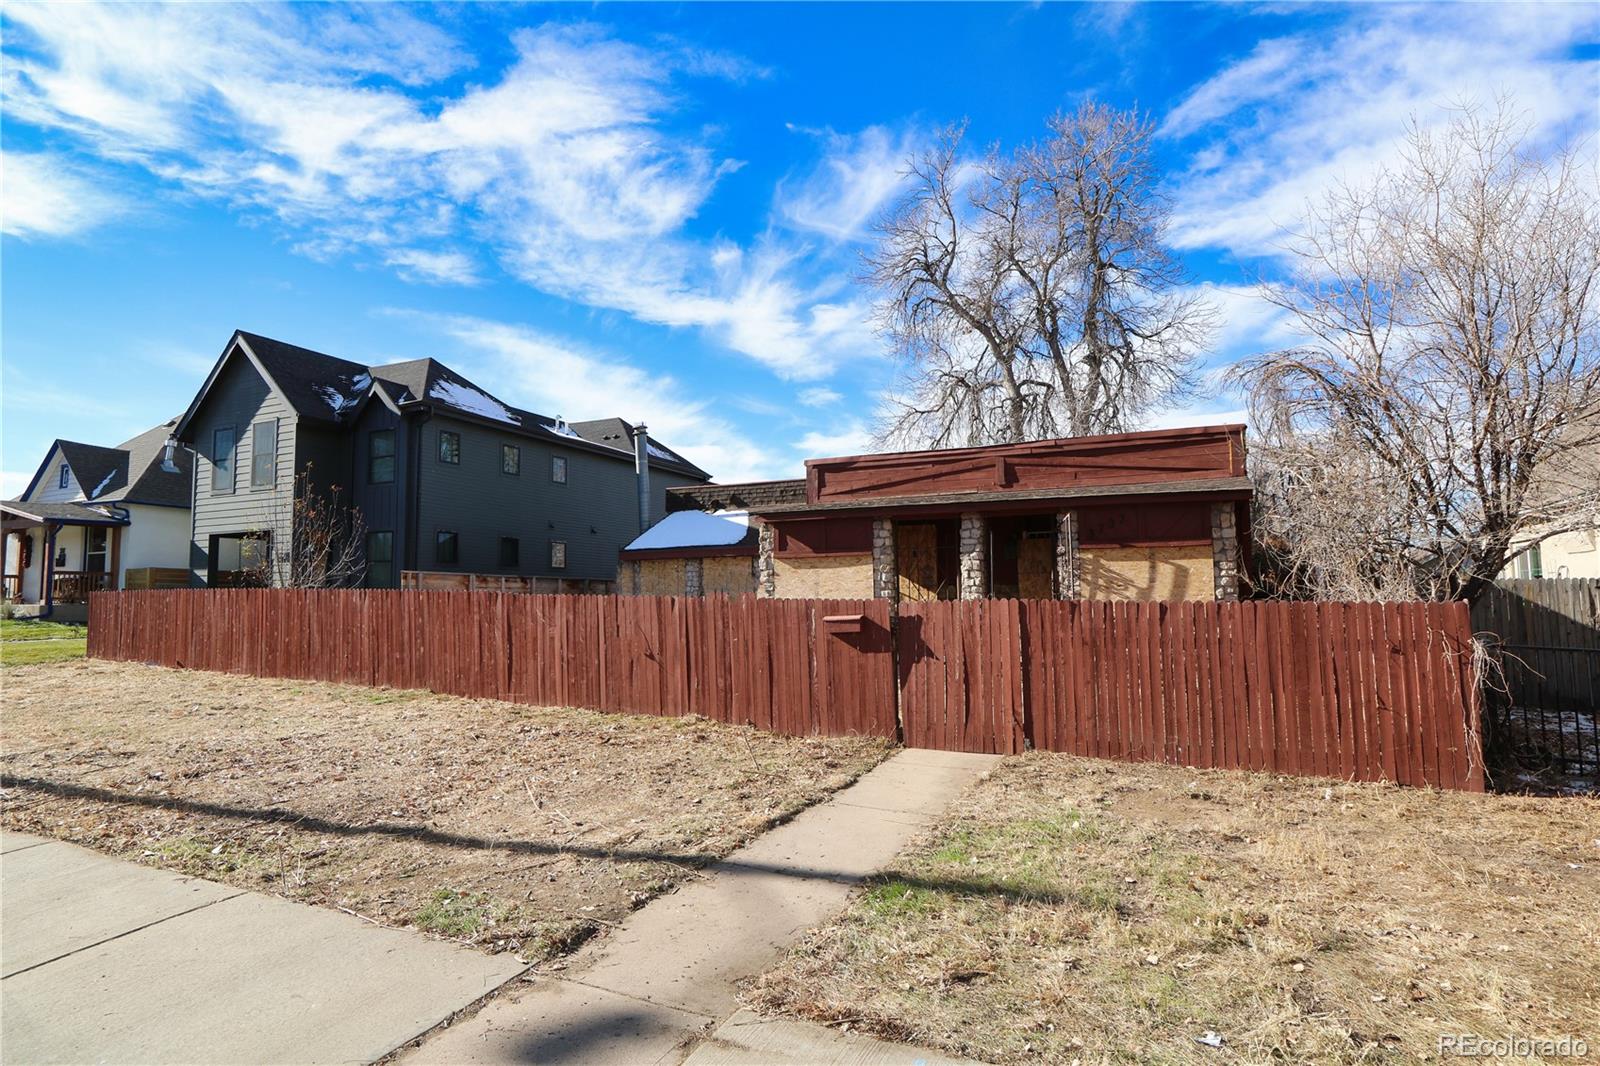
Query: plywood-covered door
{"type": "Point", "coordinates": [916, 546]}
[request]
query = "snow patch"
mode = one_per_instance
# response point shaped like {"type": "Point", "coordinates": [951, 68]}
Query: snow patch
{"type": "Point", "coordinates": [459, 394]}
{"type": "Point", "coordinates": [660, 453]}
{"type": "Point", "coordinates": [694, 529]}
{"type": "Point", "coordinates": [561, 429]}
{"type": "Point", "coordinates": [98, 489]}
{"type": "Point", "coordinates": [339, 399]}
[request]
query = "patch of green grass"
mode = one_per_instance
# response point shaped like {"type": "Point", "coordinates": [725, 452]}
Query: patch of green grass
{"type": "Point", "coordinates": [29, 652]}
{"type": "Point", "coordinates": [897, 899]}
{"type": "Point", "coordinates": [33, 629]}
{"type": "Point", "coordinates": [462, 915]}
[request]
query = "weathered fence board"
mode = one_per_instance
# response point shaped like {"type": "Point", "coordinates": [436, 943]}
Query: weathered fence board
{"type": "Point", "coordinates": [1357, 691]}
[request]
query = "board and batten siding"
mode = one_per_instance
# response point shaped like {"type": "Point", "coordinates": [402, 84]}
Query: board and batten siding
{"type": "Point", "coordinates": [383, 505]}
{"type": "Point", "coordinates": [239, 399]}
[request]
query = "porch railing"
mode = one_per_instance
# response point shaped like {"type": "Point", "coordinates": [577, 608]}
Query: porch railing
{"type": "Point", "coordinates": [74, 586]}
{"type": "Point", "coordinates": [11, 587]}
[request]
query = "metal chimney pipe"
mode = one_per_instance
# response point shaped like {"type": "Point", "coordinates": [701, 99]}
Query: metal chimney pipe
{"type": "Point", "coordinates": [641, 468]}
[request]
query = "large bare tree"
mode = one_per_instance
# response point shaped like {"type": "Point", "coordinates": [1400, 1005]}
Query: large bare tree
{"type": "Point", "coordinates": [322, 539]}
{"type": "Point", "coordinates": [1033, 294]}
{"type": "Point", "coordinates": [1444, 406]}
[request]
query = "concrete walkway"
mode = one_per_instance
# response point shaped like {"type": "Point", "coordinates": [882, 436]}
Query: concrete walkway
{"type": "Point", "coordinates": [661, 989]}
{"type": "Point", "coordinates": [103, 960]}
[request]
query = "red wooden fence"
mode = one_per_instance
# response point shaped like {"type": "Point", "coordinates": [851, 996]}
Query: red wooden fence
{"type": "Point", "coordinates": [1355, 691]}
{"type": "Point", "coordinates": [770, 663]}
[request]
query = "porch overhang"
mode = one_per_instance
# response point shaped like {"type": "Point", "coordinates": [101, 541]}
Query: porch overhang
{"type": "Point", "coordinates": [15, 514]}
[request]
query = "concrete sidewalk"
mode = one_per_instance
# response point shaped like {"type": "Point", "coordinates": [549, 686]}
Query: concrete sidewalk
{"type": "Point", "coordinates": [653, 991]}
{"type": "Point", "coordinates": [103, 960]}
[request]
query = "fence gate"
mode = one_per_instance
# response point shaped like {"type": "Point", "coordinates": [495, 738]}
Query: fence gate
{"type": "Point", "coordinates": [960, 673]}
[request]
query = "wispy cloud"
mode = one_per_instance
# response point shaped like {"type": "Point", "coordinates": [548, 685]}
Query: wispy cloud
{"type": "Point", "coordinates": [1302, 112]}
{"type": "Point", "coordinates": [819, 397]}
{"type": "Point", "coordinates": [576, 165]}
{"type": "Point", "coordinates": [851, 437]}
{"type": "Point", "coordinates": [46, 196]}
{"type": "Point", "coordinates": [858, 175]}
{"type": "Point", "coordinates": [559, 376]}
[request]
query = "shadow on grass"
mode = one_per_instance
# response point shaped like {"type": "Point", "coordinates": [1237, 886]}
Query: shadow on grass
{"type": "Point", "coordinates": [409, 831]}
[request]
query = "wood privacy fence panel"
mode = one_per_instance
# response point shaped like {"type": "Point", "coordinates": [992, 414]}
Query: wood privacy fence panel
{"type": "Point", "coordinates": [774, 664]}
{"type": "Point", "coordinates": [1356, 691]}
{"type": "Point", "coordinates": [1549, 630]}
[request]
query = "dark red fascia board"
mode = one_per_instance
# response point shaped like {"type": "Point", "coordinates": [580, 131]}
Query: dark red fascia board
{"type": "Point", "coordinates": [716, 552]}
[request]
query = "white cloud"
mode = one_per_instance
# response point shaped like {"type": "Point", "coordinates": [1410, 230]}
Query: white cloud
{"type": "Point", "coordinates": [818, 397]}
{"type": "Point", "coordinates": [567, 164]}
{"type": "Point", "coordinates": [556, 376]}
{"type": "Point", "coordinates": [415, 264]}
{"type": "Point", "coordinates": [1196, 415]}
{"type": "Point", "coordinates": [13, 483]}
{"type": "Point", "coordinates": [45, 196]}
{"type": "Point", "coordinates": [1301, 113]}
{"type": "Point", "coordinates": [849, 438]}
{"type": "Point", "coordinates": [857, 177]}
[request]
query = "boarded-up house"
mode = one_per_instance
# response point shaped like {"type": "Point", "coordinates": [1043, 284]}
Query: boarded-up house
{"type": "Point", "coordinates": [1157, 515]}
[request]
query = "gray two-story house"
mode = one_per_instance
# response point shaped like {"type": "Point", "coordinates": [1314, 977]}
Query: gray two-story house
{"type": "Point", "coordinates": [445, 476]}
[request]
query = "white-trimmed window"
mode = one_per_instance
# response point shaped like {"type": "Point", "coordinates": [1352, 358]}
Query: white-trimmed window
{"type": "Point", "coordinates": [558, 555]}
{"type": "Point", "coordinates": [558, 469]}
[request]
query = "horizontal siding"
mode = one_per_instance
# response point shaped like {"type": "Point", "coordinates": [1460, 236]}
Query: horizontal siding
{"type": "Point", "coordinates": [239, 399]}
{"type": "Point", "coordinates": [595, 512]}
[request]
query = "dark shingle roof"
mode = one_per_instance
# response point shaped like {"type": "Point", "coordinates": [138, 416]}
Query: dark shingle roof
{"type": "Point", "coordinates": [100, 471]}
{"type": "Point", "coordinates": [76, 513]}
{"type": "Point", "coordinates": [316, 385]}
{"type": "Point", "coordinates": [151, 483]}
{"type": "Point", "coordinates": [322, 387]}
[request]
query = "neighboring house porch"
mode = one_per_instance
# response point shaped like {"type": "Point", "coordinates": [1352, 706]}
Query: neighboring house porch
{"type": "Point", "coordinates": [58, 553]}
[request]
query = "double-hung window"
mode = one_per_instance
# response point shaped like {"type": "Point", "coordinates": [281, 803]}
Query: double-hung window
{"type": "Point", "coordinates": [222, 460]}
{"type": "Point", "coordinates": [558, 469]}
{"type": "Point", "coordinates": [264, 455]}
{"type": "Point", "coordinates": [558, 555]}
{"type": "Point", "coordinates": [380, 457]}
{"type": "Point", "coordinates": [450, 447]}
{"type": "Point", "coordinates": [510, 459]}
{"type": "Point", "coordinates": [380, 558]}
{"type": "Point", "coordinates": [445, 548]}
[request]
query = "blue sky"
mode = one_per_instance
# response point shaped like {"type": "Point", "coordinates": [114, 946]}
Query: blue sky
{"type": "Point", "coordinates": [653, 211]}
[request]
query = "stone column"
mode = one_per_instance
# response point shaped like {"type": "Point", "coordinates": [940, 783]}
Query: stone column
{"type": "Point", "coordinates": [974, 573]}
{"type": "Point", "coordinates": [694, 577]}
{"type": "Point", "coordinates": [766, 569]}
{"type": "Point", "coordinates": [885, 573]}
{"type": "Point", "coordinates": [1225, 551]}
{"type": "Point", "coordinates": [1068, 569]}
{"type": "Point", "coordinates": [635, 583]}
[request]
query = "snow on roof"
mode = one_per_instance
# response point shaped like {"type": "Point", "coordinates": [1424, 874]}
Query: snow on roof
{"type": "Point", "coordinates": [459, 394]}
{"type": "Point", "coordinates": [560, 428]}
{"type": "Point", "coordinates": [98, 489]}
{"type": "Point", "coordinates": [661, 453]}
{"type": "Point", "coordinates": [694, 529]}
{"type": "Point", "coordinates": [339, 399]}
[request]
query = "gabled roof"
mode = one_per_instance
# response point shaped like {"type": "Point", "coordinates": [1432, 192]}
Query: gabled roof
{"type": "Point", "coordinates": [129, 473]}
{"type": "Point", "coordinates": [326, 388]}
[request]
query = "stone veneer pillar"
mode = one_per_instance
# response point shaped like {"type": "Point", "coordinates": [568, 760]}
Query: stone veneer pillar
{"type": "Point", "coordinates": [694, 577]}
{"type": "Point", "coordinates": [1069, 573]}
{"type": "Point", "coordinates": [1225, 551]}
{"type": "Point", "coordinates": [974, 573]}
{"type": "Point", "coordinates": [885, 573]}
{"type": "Point", "coordinates": [766, 569]}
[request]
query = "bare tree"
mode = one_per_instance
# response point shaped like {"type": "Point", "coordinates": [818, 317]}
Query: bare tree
{"type": "Point", "coordinates": [325, 540]}
{"type": "Point", "coordinates": [947, 307]}
{"type": "Point", "coordinates": [1448, 391]}
{"type": "Point", "coordinates": [1033, 295]}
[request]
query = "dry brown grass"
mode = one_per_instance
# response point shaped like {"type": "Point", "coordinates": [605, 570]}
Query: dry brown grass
{"type": "Point", "coordinates": [1075, 909]}
{"type": "Point", "coordinates": [511, 827]}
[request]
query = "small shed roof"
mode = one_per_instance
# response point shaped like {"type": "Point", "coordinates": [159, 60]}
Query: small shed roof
{"type": "Point", "coordinates": [682, 532]}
